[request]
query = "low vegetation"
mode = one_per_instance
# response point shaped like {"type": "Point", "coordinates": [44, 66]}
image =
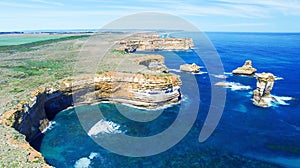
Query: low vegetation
{"type": "Point", "coordinates": [32, 46]}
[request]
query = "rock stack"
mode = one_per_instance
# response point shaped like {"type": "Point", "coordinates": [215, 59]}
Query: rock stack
{"type": "Point", "coordinates": [246, 69]}
{"type": "Point", "coordinates": [194, 68]}
{"type": "Point", "coordinates": [261, 95]}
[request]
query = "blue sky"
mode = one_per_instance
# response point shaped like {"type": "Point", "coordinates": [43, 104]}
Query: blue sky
{"type": "Point", "coordinates": [207, 15]}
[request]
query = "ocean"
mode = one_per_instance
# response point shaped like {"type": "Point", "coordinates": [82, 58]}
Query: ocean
{"type": "Point", "coordinates": [246, 135]}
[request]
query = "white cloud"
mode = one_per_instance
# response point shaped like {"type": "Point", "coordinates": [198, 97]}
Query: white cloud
{"type": "Point", "coordinates": [268, 6]}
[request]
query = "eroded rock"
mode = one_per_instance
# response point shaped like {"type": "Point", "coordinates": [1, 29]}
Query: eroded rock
{"type": "Point", "coordinates": [194, 68]}
{"type": "Point", "coordinates": [262, 94]}
{"type": "Point", "coordinates": [246, 69]}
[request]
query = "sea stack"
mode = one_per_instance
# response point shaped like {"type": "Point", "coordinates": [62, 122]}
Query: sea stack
{"type": "Point", "coordinates": [261, 95]}
{"type": "Point", "coordinates": [194, 68]}
{"type": "Point", "coordinates": [246, 69]}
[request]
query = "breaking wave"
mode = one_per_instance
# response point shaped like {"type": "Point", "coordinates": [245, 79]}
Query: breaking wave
{"type": "Point", "coordinates": [174, 70]}
{"type": "Point", "coordinates": [234, 86]}
{"type": "Point", "coordinates": [104, 127]}
{"type": "Point", "coordinates": [50, 127]}
{"type": "Point", "coordinates": [278, 78]}
{"type": "Point", "coordinates": [280, 100]}
{"type": "Point", "coordinates": [200, 73]}
{"type": "Point", "coordinates": [238, 86]}
{"type": "Point", "coordinates": [220, 76]}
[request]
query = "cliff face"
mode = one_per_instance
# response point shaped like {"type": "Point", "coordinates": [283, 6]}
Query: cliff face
{"type": "Point", "coordinates": [32, 117]}
{"type": "Point", "coordinates": [140, 90]}
{"type": "Point", "coordinates": [149, 91]}
{"type": "Point", "coordinates": [156, 44]}
{"type": "Point", "coordinates": [246, 69]}
{"type": "Point", "coordinates": [262, 94]}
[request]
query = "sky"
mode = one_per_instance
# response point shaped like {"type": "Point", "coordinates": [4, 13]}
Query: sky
{"type": "Point", "coordinates": [207, 15]}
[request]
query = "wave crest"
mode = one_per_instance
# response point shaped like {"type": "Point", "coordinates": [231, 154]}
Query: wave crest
{"type": "Point", "coordinates": [104, 127]}
{"type": "Point", "coordinates": [233, 86]}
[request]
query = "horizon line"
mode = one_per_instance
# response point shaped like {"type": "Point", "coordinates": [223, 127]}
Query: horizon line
{"type": "Point", "coordinates": [120, 30]}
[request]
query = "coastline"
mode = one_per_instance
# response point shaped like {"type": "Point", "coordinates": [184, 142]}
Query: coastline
{"type": "Point", "coordinates": [36, 104]}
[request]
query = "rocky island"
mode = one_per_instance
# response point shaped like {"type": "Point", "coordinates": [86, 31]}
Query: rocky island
{"type": "Point", "coordinates": [262, 94]}
{"type": "Point", "coordinates": [194, 68]}
{"type": "Point", "coordinates": [246, 69]}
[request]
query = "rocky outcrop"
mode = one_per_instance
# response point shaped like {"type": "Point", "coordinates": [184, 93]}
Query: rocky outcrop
{"type": "Point", "coordinates": [194, 68]}
{"type": "Point", "coordinates": [31, 117]}
{"type": "Point", "coordinates": [154, 63]}
{"type": "Point", "coordinates": [262, 94]}
{"type": "Point", "coordinates": [246, 69]}
{"type": "Point", "coordinates": [151, 44]}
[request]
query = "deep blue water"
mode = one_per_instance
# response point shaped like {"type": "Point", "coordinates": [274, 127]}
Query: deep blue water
{"type": "Point", "coordinates": [247, 136]}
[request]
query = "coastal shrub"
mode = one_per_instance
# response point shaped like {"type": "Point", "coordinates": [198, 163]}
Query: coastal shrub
{"type": "Point", "coordinates": [120, 52]}
{"type": "Point", "coordinates": [16, 90]}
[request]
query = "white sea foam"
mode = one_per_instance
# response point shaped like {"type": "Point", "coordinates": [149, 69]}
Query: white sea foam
{"type": "Point", "coordinates": [82, 163]}
{"type": "Point", "coordinates": [227, 73]}
{"type": "Point", "coordinates": [50, 126]}
{"type": "Point", "coordinates": [275, 101]}
{"type": "Point", "coordinates": [238, 86]}
{"type": "Point", "coordinates": [281, 100]}
{"type": "Point", "coordinates": [278, 78]}
{"type": "Point", "coordinates": [235, 86]}
{"type": "Point", "coordinates": [104, 127]}
{"type": "Point", "coordinates": [174, 70]}
{"type": "Point", "coordinates": [200, 73]}
{"type": "Point", "coordinates": [220, 76]}
{"type": "Point", "coordinates": [93, 155]}
{"type": "Point", "coordinates": [85, 162]}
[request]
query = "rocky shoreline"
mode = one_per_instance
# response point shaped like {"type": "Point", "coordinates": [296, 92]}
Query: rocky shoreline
{"type": "Point", "coordinates": [152, 88]}
{"type": "Point", "coordinates": [148, 91]}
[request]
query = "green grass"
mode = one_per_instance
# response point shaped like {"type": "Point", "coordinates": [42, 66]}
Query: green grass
{"type": "Point", "coordinates": [37, 68]}
{"type": "Point", "coordinates": [120, 52]}
{"type": "Point", "coordinates": [31, 46]}
{"type": "Point", "coordinates": [23, 39]}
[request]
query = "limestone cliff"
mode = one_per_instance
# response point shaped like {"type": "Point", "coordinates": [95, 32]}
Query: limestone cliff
{"type": "Point", "coordinates": [31, 117]}
{"type": "Point", "coordinates": [246, 69]}
{"type": "Point", "coordinates": [190, 68]}
{"type": "Point", "coordinates": [151, 44]}
{"type": "Point", "coordinates": [262, 94]}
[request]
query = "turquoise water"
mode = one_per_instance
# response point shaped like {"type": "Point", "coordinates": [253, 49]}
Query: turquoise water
{"type": "Point", "coordinates": [247, 136]}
